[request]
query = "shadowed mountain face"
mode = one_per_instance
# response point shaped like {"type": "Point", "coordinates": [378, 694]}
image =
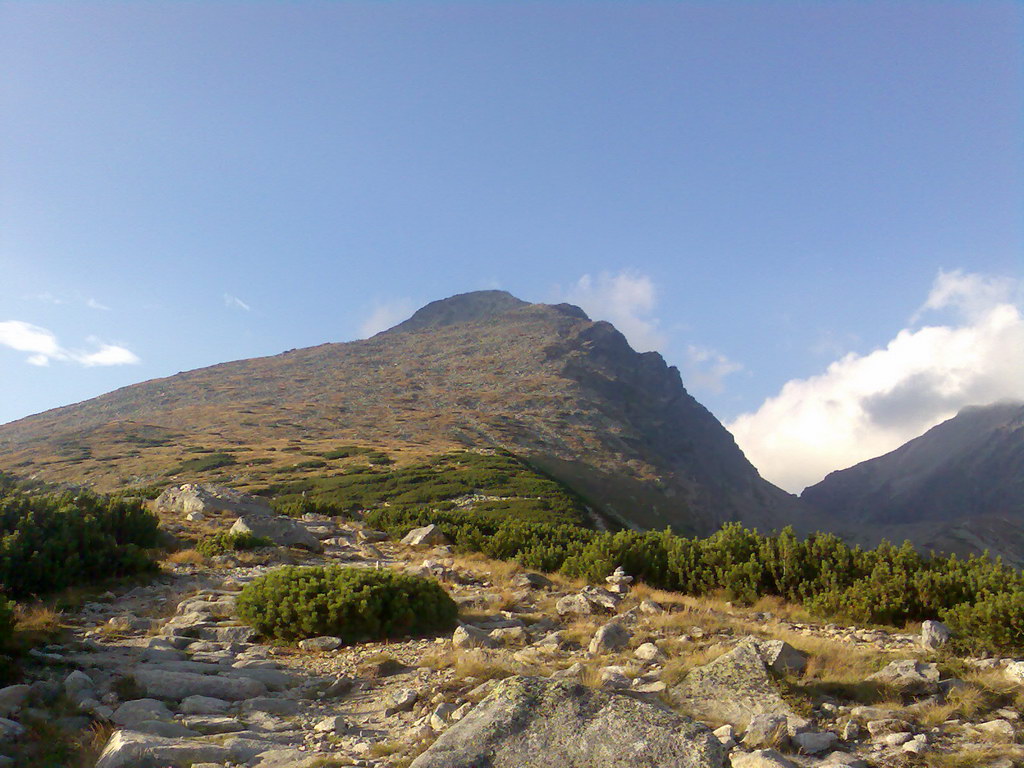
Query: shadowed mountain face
{"type": "Point", "coordinates": [959, 487]}
{"type": "Point", "coordinates": [481, 370]}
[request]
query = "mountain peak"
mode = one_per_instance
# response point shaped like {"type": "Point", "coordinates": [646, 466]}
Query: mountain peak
{"type": "Point", "coordinates": [461, 308]}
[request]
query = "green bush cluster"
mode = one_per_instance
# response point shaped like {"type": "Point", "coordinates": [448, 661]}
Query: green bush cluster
{"type": "Point", "coordinates": [48, 542]}
{"type": "Point", "coordinates": [515, 488]}
{"type": "Point", "coordinates": [355, 604]}
{"type": "Point", "coordinates": [228, 541]}
{"type": "Point", "coordinates": [981, 598]}
{"type": "Point", "coordinates": [297, 506]}
{"type": "Point", "coordinates": [204, 463]}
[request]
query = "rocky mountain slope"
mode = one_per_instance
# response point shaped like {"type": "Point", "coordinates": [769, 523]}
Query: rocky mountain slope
{"type": "Point", "coordinates": [959, 487]}
{"type": "Point", "coordinates": [164, 674]}
{"type": "Point", "coordinates": [481, 369]}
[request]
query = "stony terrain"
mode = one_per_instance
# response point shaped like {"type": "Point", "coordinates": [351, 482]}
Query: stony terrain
{"type": "Point", "coordinates": [166, 676]}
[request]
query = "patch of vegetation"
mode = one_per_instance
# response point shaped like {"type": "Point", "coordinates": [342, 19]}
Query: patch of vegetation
{"type": "Point", "coordinates": [51, 541]}
{"type": "Point", "coordinates": [227, 541]}
{"type": "Point", "coordinates": [504, 484]}
{"type": "Point", "coordinates": [297, 507]}
{"type": "Point", "coordinates": [204, 463]}
{"type": "Point", "coordinates": [355, 604]}
{"type": "Point", "coordinates": [346, 451]}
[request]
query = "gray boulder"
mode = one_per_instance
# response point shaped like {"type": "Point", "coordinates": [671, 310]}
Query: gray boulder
{"type": "Point", "coordinates": [13, 697]}
{"type": "Point", "coordinates": [731, 689]}
{"type": "Point", "coordinates": [281, 530]}
{"type": "Point", "coordinates": [131, 749]}
{"type": "Point", "coordinates": [781, 657]}
{"type": "Point", "coordinates": [133, 712]}
{"type": "Point", "coordinates": [200, 497]}
{"type": "Point", "coordinates": [766, 731]}
{"type": "Point", "coordinates": [910, 676]}
{"type": "Point", "coordinates": [762, 758]}
{"type": "Point", "coordinates": [427, 536]}
{"type": "Point", "coordinates": [468, 636]}
{"type": "Point", "coordinates": [527, 722]}
{"type": "Point", "coordinates": [934, 634]}
{"type": "Point", "coordinates": [175, 686]}
{"type": "Point", "coordinates": [610, 638]}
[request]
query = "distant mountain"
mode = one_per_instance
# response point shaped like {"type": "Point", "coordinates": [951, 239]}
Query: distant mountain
{"type": "Point", "coordinates": [958, 487]}
{"type": "Point", "coordinates": [477, 370]}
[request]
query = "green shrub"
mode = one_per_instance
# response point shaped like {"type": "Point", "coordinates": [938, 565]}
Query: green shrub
{"type": "Point", "coordinates": [205, 463]}
{"type": "Point", "coordinates": [298, 506]}
{"type": "Point", "coordinates": [355, 604]}
{"type": "Point", "coordinates": [48, 542]}
{"type": "Point", "coordinates": [227, 541]}
{"type": "Point", "coordinates": [995, 622]}
{"type": "Point", "coordinates": [6, 623]}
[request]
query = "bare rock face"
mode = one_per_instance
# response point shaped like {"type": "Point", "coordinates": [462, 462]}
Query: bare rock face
{"type": "Point", "coordinates": [131, 749]}
{"type": "Point", "coordinates": [528, 722]}
{"type": "Point", "coordinates": [733, 689]}
{"type": "Point", "coordinates": [191, 498]}
{"type": "Point", "coordinates": [909, 676]}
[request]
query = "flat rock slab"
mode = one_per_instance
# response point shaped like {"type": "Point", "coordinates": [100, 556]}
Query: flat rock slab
{"type": "Point", "coordinates": [131, 749]}
{"type": "Point", "coordinates": [176, 686]}
{"type": "Point", "coordinates": [731, 689]}
{"type": "Point", "coordinates": [528, 722]}
{"type": "Point", "coordinates": [279, 529]}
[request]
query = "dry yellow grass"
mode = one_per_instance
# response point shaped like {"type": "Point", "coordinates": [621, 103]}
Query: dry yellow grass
{"type": "Point", "coordinates": [677, 668]}
{"type": "Point", "coordinates": [185, 556]}
{"type": "Point", "coordinates": [37, 618]}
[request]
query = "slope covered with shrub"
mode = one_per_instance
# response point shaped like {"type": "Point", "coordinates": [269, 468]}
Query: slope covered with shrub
{"type": "Point", "coordinates": [52, 541]}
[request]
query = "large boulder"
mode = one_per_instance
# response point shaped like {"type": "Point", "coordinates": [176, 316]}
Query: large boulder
{"type": "Point", "coordinates": [527, 722]}
{"type": "Point", "coordinates": [731, 689]}
{"type": "Point", "coordinates": [132, 749]}
{"type": "Point", "coordinates": [427, 536]}
{"type": "Point", "coordinates": [200, 497]}
{"type": "Point", "coordinates": [910, 676]}
{"type": "Point", "coordinates": [934, 634]}
{"type": "Point", "coordinates": [281, 530]}
{"type": "Point", "coordinates": [175, 686]}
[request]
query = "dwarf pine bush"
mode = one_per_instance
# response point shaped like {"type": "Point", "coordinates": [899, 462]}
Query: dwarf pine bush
{"type": "Point", "coordinates": [355, 604]}
{"type": "Point", "coordinates": [228, 541]}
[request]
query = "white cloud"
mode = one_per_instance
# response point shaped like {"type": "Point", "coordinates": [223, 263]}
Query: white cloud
{"type": "Point", "coordinates": [865, 405]}
{"type": "Point", "coordinates": [706, 369]}
{"type": "Point", "coordinates": [626, 300]}
{"type": "Point", "coordinates": [43, 347]}
{"type": "Point", "coordinates": [93, 304]}
{"type": "Point", "coordinates": [234, 302]}
{"type": "Point", "coordinates": [384, 315]}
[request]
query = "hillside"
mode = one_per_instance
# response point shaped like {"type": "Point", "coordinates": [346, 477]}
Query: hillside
{"type": "Point", "coordinates": [479, 370]}
{"type": "Point", "coordinates": [959, 487]}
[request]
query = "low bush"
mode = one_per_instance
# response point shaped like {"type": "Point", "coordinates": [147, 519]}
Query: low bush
{"type": "Point", "coordinates": [355, 604]}
{"type": "Point", "coordinates": [994, 622]}
{"type": "Point", "coordinates": [52, 541]}
{"type": "Point", "coordinates": [227, 541]}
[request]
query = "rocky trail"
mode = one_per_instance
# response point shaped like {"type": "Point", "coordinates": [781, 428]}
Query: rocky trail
{"type": "Point", "coordinates": [540, 671]}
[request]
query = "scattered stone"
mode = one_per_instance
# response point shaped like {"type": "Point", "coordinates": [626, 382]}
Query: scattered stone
{"type": "Point", "coordinates": [133, 712]}
{"type": "Point", "coordinates": [281, 530]}
{"type": "Point", "coordinates": [175, 686]}
{"type": "Point", "coordinates": [650, 607]}
{"type": "Point", "coordinates": [531, 581]}
{"type": "Point", "coordinates": [766, 731]}
{"type": "Point", "coordinates": [610, 638]}
{"type": "Point", "coordinates": [335, 724]}
{"type": "Point", "coordinates": [762, 758]}
{"type": "Point", "coordinates": [648, 652]}
{"type": "Point", "coordinates": [401, 700]}
{"type": "Point", "coordinates": [131, 749]}
{"type": "Point", "coordinates": [10, 730]}
{"type": "Point", "coordinates": [12, 698]}
{"type": "Point", "coordinates": [815, 742]}
{"type": "Point", "coordinates": [727, 735]}
{"type": "Point", "coordinates": [997, 730]}
{"type": "Point", "coordinates": [781, 657]}
{"type": "Point", "coordinates": [203, 705]}
{"type": "Point", "coordinates": [323, 643]}
{"type": "Point", "coordinates": [912, 677]}
{"type": "Point", "coordinates": [468, 636]}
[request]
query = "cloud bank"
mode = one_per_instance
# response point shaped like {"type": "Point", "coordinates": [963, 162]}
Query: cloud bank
{"type": "Point", "coordinates": [865, 405]}
{"type": "Point", "coordinates": [626, 300]}
{"type": "Point", "coordinates": [43, 347]}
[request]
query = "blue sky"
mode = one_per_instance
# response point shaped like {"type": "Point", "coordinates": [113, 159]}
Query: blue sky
{"type": "Point", "coordinates": [761, 191]}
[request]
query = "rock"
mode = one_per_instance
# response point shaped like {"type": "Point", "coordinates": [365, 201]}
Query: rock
{"type": "Point", "coordinates": [619, 582]}
{"type": "Point", "coordinates": [203, 705]}
{"type": "Point", "coordinates": [339, 687]}
{"type": "Point", "coordinates": [997, 730]}
{"type": "Point", "coordinates": [323, 643]}
{"type": "Point", "coordinates": [731, 689]}
{"type": "Point", "coordinates": [468, 636]}
{"type": "Point", "coordinates": [880, 728]}
{"type": "Point", "coordinates": [272, 706]}
{"type": "Point", "coordinates": [815, 742]}
{"type": "Point", "coordinates": [273, 679]}
{"type": "Point", "coordinates": [649, 652]}
{"type": "Point", "coordinates": [207, 499]}
{"type": "Point", "coordinates": [766, 731]}
{"type": "Point", "coordinates": [441, 715]}
{"type": "Point", "coordinates": [281, 530]}
{"type": "Point", "coordinates": [213, 724]}
{"type": "Point", "coordinates": [79, 685]}
{"type": "Point", "coordinates": [131, 749]}
{"type": "Point", "coordinates": [574, 605]}
{"type": "Point", "coordinates": [934, 634]}
{"type": "Point", "coordinates": [650, 607]}
{"type": "Point", "coordinates": [781, 657]}
{"type": "Point", "coordinates": [334, 724]}
{"type": "Point", "coordinates": [136, 711]}
{"type": "Point", "coordinates": [727, 735]}
{"type": "Point", "coordinates": [289, 758]}
{"type": "Point", "coordinates": [10, 730]}
{"type": "Point", "coordinates": [401, 700]}
{"type": "Point", "coordinates": [1015, 671]}
{"type": "Point", "coordinates": [764, 758]}
{"type": "Point", "coordinates": [168, 730]}
{"type": "Point", "coordinates": [427, 536]}
{"type": "Point", "coordinates": [531, 581]}
{"type": "Point", "coordinates": [610, 638]}
{"type": "Point", "coordinates": [614, 677]}
{"type": "Point", "coordinates": [176, 686]}
{"type": "Point", "coordinates": [533, 723]}
{"type": "Point", "coordinates": [12, 698]}
{"type": "Point", "coordinates": [916, 745]}
{"type": "Point", "coordinates": [510, 636]}
{"type": "Point", "coordinates": [910, 676]}
{"type": "Point", "coordinates": [897, 739]}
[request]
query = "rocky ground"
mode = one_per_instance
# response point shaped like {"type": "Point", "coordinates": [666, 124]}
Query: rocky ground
{"type": "Point", "coordinates": [540, 669]}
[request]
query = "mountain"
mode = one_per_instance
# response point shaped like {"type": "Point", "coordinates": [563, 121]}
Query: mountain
{"type": "Point", "coordinates": [959, 487]}
{"type": "Point", "coordinates": [479, 370]}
